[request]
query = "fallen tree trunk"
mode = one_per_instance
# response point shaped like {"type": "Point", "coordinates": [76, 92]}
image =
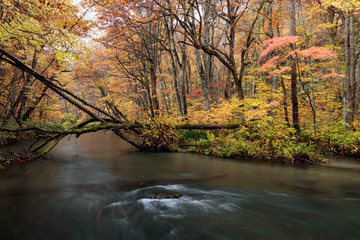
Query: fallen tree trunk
{"type": "Point", "coordinates": [209, 126]}
{"type": "Point", "coordinates": [124, 126]}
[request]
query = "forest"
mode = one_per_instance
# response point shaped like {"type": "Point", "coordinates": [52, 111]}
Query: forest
{"type": "Point", "coordinates": [258, 79]}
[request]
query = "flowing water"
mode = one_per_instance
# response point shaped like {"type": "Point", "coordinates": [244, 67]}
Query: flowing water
{"type": "Point", "coordinates": [98, 187]}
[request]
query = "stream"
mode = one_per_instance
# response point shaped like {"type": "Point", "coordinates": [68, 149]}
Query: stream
{"type": "Point", "coordinates": [99, 187]}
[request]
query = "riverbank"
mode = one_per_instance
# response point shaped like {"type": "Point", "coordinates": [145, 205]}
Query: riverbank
{"type": "Point", "coordinates": [342, 162]}
{"type": "Point", "coordinates": [258, 140]}
{"type": "Point", "coordinates": [330, 160]}
{"type": "Point", "coordinates": [262, 139]}
{"type": "Point", "coordinates": [10, 158]}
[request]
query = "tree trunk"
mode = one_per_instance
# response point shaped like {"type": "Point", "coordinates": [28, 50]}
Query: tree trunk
{"type": "Point", "coordinates": [237, 80]}
{"type": "Point", "coordinates": [37, 101]}
{"type": "Point", "coordinates": [203, 63]}
{"type": "Point", "coordinates": [270, 14]}
{"type": "Point", "coordinates": [182, 82]}
{"type": "Point", "coordinates": [12, 96]}
{"type": "Point", "coordinates": [286, 113]}
{"type": "Point", "coordinates": [231, 37]}
{"type": "Point", "coordinates": [203, 80]}
{"type": "Point", "coordinates": [294, 99]}
{"type": "Point", "coordinates": [350, 81]}
{"type": "Point", "coordinates": [176, 89]}
{"type": "Point", "coordinates": [153, 93]}
{"type": "Point", "coordinates": [245, 50]}
{"type": "Point", "coordinates": [207, 59]}
{"type": "Point", "coordinates": [175, 63]}
{"type": "Point", "coordinates": [227, 90]}
{"type": "Point", "coordinates": [164, 97]}
{"type": "Point", "coordinates": [25, 97]}
{"type": "Point", "coordinates": [356, 91]}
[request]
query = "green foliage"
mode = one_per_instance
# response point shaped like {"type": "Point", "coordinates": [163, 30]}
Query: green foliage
{"type": "Point", "coordinates": [262, 139]}
{"type": "Point", "coordinates": [4, 162]}
{"type": "Point", "coordinates": [192, 137]}
{"type": "Point", "coordinates": [336, 139]}
{"type": "Point", "coordinates": [69, 119]}
{"type": "Point", "coordinates": [43, 23]}
{"type": "Point", "coordinates": [192, 149]}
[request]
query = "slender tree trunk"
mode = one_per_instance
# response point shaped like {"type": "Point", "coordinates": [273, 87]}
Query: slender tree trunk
{"type": "Point", "coordinates": [203, 80]}
{"type": "Point", "coordinates": [350, 66]}
{"type": "Point", "coordinates": [207, 59]}
{"type": "Point", "coordinates": [294, 99]}
{"type": "Point", "coordinates": [204, 61]}
{"type": "Point", "coordinates": [270, 14]}
{"type": "Point", "coordinates": [153, 84]}
{"type": "Point", "coordinates": [245, 50]}
{"type": "Point", "coordinates": [175, 63]}
{"type": "Point", "coordinates": [22, 98]}
{"type": "Point", "coordinates": [182, 78]}
{"type": "Point", "coordinates": [286, 112]}
{"type": "Point", "coordinates": [237, 80]}
{"type": "Point", "coordinates": [227, 91]}
{"type": "Point", "coordinates": [176, 89]}
{"type": "Point", "coordinates": [12, 96]}
{"type": "Point", "coordinates": [164, 97]}
{"type": "Point", "coordinates": [37, 101]}
{"type": "Point", "coordinates": [231, 38]}
{"type": "Point", "coordinates": [25, 97]}
{"type": "Point", "coordinates": [356, 91]}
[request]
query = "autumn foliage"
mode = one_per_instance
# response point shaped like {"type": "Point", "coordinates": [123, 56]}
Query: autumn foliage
{"type": "Point", "coordinates": [172, 61]}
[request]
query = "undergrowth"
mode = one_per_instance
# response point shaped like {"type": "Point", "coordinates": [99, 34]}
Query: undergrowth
{"type": "Point", "coordinates": [260, 139]}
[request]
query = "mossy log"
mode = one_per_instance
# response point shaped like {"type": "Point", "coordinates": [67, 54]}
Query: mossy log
{"type": "Point", "coordinates": [209, 126]}
{"type": "Point", "coordinates": [122, 126]}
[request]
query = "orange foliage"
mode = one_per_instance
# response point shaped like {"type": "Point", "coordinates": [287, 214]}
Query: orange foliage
{"type": "Point", "coordinates": [277, 43]}
{"type": "Point", "coordinates": [318, 53]}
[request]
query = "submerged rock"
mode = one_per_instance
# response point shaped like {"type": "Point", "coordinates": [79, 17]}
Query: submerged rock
{"type": "Point", "coordinates": [165, 196]}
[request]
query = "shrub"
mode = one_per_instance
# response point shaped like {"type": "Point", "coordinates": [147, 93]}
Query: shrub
{"type": "Point", "coordinates": [261, 139]}
{"type": "Point", "coordinates": [160, 137]}
{"type": "Point", "coordinates": [339, 140]}
{"type": "Point", "coordinates": [192, 137]}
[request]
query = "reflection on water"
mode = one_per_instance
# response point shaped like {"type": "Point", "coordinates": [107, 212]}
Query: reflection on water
{"type": "Point", "coordinates": [98, 187]}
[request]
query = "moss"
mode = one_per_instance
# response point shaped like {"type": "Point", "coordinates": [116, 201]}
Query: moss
{"type": "Point", "coordinates": [48, 149]}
